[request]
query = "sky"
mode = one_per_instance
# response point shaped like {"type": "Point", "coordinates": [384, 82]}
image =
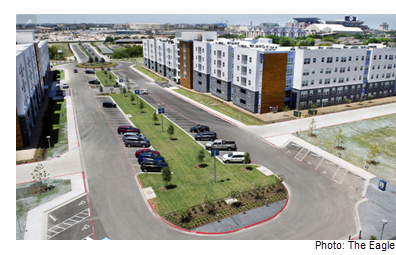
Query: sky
{"type": "Point", "coordinates": [203, 11]}
{"type": "Point", "coordinates": [372, 20]}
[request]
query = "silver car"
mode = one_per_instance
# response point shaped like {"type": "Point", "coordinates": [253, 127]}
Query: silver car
{"type": "Point", "coordinates": [130, 134]}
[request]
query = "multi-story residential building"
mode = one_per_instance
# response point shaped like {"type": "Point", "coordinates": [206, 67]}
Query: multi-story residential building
{"type": "Point", "coordinates": [32, 76]}
{"type": "Point", "coordinates": [279, 31]}
{"type": "Point", "coordinates": [257, 75]}
{"type": "Point", "coordinates": [330, 75]}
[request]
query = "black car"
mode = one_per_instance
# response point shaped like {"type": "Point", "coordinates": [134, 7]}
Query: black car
{"type": "Point", "coordinates": [152, 165]}
{"type": "Point", "coordinates": [75, 71]}
{"type": "Point", "coordinates": [199, 129]}
{"type": "Point", "coordinates": [206, 136]}
{"type": "Point", "coordinates": [94, 82]}
{"type": "Point", "coordinates": [89, 71]}
{"type": "Point", "coordinates": [109, 104]}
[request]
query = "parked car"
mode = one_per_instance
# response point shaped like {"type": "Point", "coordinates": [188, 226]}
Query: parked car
{"type": "Point", "coordinates": [234, 157]}
{"type": "Point", "coordinates": [137, 153]}
{"type": "Point", "coordinates": [124, 129]}
{"type": "Point", "coordinates": [109, 104]}
{"type": "Point", "coordinates": [89, 72]}
{"type": "Point", "coordinates": [94, 82]}
{"type": "Point", "coordinates": [206, 136]}
{"type": "Point", "coordinates": [152, 165]}
{"type": "Point", "coordinates": [199, 129]}
{"type": "Point", "coordinates": [143, 91]}
{"type": "Point", "coordinates": [75, 71]}
{"type": "Point", "coordinates": [221, 145]}
{"type": "Point", "coordinates": [134, 141]}
{"type": "Point", "coordinates": [148, 155]}
{"type": "Point", "coordinates": [65, 86]}
{"type": "Point", "coordinates": [129, 134]}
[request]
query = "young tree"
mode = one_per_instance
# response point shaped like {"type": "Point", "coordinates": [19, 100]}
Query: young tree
{"type": "Point", "coordinates": [111, 90]}
{"type": "Point", "coordinates": [100, 88]}
{"type": "Point", "coordinates": [141, 106]}
{"type": "Point", "coordinates": [235, 193]}
{"type": "Point", "coordinates": [129, 88]}
{"type": "Point", "coordinates": [279, 181]}
{"type": "Point", "coordinates": [39, 175]}
{"type": "Point", "coordinates": [360, 100]}
{"type": "Point", "coordinates": [370, 97]}
{"type": "Point", "coordinates": [166, 176]}
{"type": "Point", "coordinates": [200, 156]}
{"type": "Point", "coordinates": [246, 158]}
{"type": "Point", "coordinates": [155, 118]}
{"type": "Point", "coordinates": [96, 59]}
{"type": "Point", "coordinates": [90, 59]}
{"type": "Point", "coordinates": [171, 131]}
{"type": "Point", "coordinates": [184, 212]}
{"type": "Point", "coordinates": [373, 153]}
{"type": "Point", "coordinates": [312, 127]}
{"type": "Point", "coordinates": [132, 98]}
{"type": "Point", "coordinates": [257, 187]}
{"type": "Point", "coordinates": [209, 204]}
{"type": "Point", "coordinates": [339, 138]}
{"type": "Point", "coordinates": [102, 60]}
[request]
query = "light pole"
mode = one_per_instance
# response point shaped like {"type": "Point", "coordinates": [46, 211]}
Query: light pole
{"type": "Point", "coordinates": [383, 225]}
{"type": "Point", "coordinates": [270, 113]}
{"type": "Point", "coordinates": [49, 143]}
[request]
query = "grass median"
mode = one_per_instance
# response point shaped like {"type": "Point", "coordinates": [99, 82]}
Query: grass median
{"type": "Point", "coordinates": [190, 184]}
{"type": "Point", "coordinates": [220, 107]}
{"type": "Point", "coordinates": [107, 78]}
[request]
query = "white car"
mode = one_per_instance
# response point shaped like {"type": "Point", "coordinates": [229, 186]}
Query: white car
{"type": "Point", "coordinates": [234, 157]}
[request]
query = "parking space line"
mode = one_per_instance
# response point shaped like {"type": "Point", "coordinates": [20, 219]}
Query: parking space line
{"type": "Point", "coordinates": [304, 156]}
{"type": "Point", "coordinates": [319, 163]}
{"type": "Point", "coordinates": [63, 229]}
{"type": "Point", "coordinates": [299, 153]}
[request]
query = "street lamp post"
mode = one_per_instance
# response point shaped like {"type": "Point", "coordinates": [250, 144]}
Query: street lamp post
{"type": "Point", "coordinates": [49, 143]}
{"type": "Point", "coordinates": [270, 113]}
{"type": "Point", "coordinates": [383, 225]}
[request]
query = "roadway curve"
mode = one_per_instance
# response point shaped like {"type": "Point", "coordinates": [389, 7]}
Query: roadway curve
{"type": "Point", "coordinates": [318, 207]}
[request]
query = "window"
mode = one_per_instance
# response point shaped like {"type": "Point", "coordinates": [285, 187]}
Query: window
{"type": "Point", "coordinates": [328, 70]}
{"type": "Point", "coordinates": [250, 83]}
{"type": "Point", "coordinates": [313, 71]}
{"type": "Point", "coordinates": [343, 59]}
{"type": "Point", "coordinates": [238, 57]}
{"type": "Point", "coordinates": [250, 59]}
{"type": "Point", "coordinates": [379, 57]}
{"type": "Point", "coordinates": [314, 60]}
{"type": "Point", "coordinates": [319, 92]}
{"type": "Point", "coordinates": [335, 69]}
{"type": "Point", "coordinates": [320, 81]}
{"type": "Point", "coordinates": [289, 72]}
{"type": "Point", "coordinates": [321, 70]}
{"type": "Point", "coordinates": [288, 83]}
{"type": "Point", "coordinates": [323, 59]}
{"type": "Point", "coordinates": [250, 71]}
{"type": "Point", "coordinates": [346, 89]}
{"type": "Point", "coordinates": [305, 83]}
{"type": "Point", "coordinates": [339, 90]}
{"type": "Point", "coordinates": [333, 90]}
{"type": "Point", "coordinates": [290, 61]}
{"type": "Point", "coordinates": [306, 72]}
{"type": "Point", "coordinates": [375, 57]}
{"type": "Point", "coordinates": [214, 52]}
{"type": "Point", "coordinates": [223, 54]}
{"type": "Point", "coordinates": [329, 59]}
{"type": "Point", "coordinates": [307, 61]}
{"type": "Point", "coordinates": [327, 81]}
{"type": "Point", "coordinates": [342, 69]}
{"type": "Point", "coordinates": [355, 68]}
{"type": "Point", "coordinates": [341, 80]}
{"type": "Point", "coordinates": [357, 58]}
{"type": "Point", "coordinates": [350, 58]}
{"type": "Point", "coordinates": [326, 91]}
{"type": "Point", "coordinates": [311, 93]}
{"type": "Point", "coordinates": [304, 94]}
{"type": "Point", "coordinates": [288, 93]}
{"type": "Point", "coordinates": [312, 82]}
{"type": "Point", "coordinates": [337, 59]}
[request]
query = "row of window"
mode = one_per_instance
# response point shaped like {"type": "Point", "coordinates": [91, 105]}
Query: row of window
{"type": "Point", "coordinates": [307, 61]}
{"type": "Point", "coordinates": [344, 79]}
{"type": "Point", "coordinates": [356, 97]}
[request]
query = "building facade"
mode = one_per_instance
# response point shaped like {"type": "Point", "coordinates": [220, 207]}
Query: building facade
{"type": "Point", "coordinates": [258, 76]}
{"type": "Point", "coordinates": [32, 76]}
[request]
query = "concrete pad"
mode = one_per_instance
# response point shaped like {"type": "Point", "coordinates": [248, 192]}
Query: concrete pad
{"type": "Point", "coordinates": [278, 141]}
{"type": "Point", "coordinates": [265, 170]}
{"type": "Point", "coordinates": [149, 193]}
{"type": "Point", "coordinates": [25, 154]}
{"type": "Point", "coordinates": [231, 200]}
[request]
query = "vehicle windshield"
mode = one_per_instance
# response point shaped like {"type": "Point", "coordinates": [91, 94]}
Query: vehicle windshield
{"type": "Point", "coordinates": [229, 155]}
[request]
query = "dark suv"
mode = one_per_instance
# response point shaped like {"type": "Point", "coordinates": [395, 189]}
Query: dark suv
{"type": "Point", "coordinates": [206, 136]}
{"type": "Point", "coordinates": [94, 82]}
{"type": "Point", "coordinates": [136, 142]}
{"type": "Point", "coordinates": [75, 71]}
{"type": "Point", "coordinates": [144, 156]}
{"type": "Point", "coordinates": [199, 129]}
{"type": "Point", "coordinates": [89, 71]}
{"type": "Point", "coordinates": [153, 165]}
{"type": "Point", "coordinates": [109, 104]}
{"type": "Point", "coordinates": [124, 129]}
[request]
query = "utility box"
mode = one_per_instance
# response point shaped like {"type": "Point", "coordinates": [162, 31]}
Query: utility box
{"type": "Point", "coordinates": [297, 114]}
{"type": "Point", "coordinates": [313, 112]}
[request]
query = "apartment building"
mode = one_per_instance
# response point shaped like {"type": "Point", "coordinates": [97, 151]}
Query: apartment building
{"type": "Point", "coordinates": [32, 76]}
{"type": "Point", "coordinates": [258, 76]}
{"type": "Point", "coordinates": [330, 75]}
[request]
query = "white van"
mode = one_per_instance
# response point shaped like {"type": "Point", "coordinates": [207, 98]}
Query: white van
{"type": "Point", "coordinates": [234, 157]}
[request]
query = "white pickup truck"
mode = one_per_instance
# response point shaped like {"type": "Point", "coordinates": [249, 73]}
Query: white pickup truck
{"type": "Point", "coordinates": [221, 145]}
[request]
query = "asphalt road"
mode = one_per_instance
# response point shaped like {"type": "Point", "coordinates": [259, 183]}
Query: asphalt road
{"type": "Point", "coordinates": [319, 208]}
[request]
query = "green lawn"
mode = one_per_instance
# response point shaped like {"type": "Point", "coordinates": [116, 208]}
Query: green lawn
{"type": "Point", "coordinates": [65, 49]}
{"type": "Point", "coordinates": [191, 183]}
{"type": "Point", "coordinates": [108, 79]}
{"type": "Point", "coordinates": [60, 75]}
{"type": "Point", "coordinates": [150, 74]}
{"type": "Point", "coordinates": [58, 133]}
{"type": "Point", "coordinates": [220, 107]}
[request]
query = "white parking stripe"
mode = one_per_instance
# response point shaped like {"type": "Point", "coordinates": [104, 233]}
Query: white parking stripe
{"type": "Point", "coordinates": [82, 213]}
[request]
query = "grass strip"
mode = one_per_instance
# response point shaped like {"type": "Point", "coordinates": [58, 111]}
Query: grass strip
{"type": "Point", "coordinates": [107, 78]}
{"type": "Point", "coordinates": [190, 183]}
{"type": "Point", "coordinates": [150, 74]}
{"type": "Point", "coordinates": [219, 106]}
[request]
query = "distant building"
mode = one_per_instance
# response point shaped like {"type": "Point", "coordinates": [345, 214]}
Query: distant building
{"type": "Point", "coordinates": [331, 29]}
{"type": "Point", "coordinates": [279, 31]}
{"type": "Point", "coordinates": [302, 22]}
{"type": "Point", "coordinates": [384, 27]}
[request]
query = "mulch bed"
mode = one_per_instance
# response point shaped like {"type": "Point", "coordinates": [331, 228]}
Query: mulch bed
{"type": "Point", "coordinates": [199, 216]}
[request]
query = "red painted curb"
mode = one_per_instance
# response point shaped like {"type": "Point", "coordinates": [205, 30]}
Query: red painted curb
{"type": "Point", "coordinates": [224, 232]}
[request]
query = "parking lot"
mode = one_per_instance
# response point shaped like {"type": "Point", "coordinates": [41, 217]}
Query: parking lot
{"type": "Point", "coordinates": [335, 172]}
{"type": "Point", "coordinates": [72, 221]}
